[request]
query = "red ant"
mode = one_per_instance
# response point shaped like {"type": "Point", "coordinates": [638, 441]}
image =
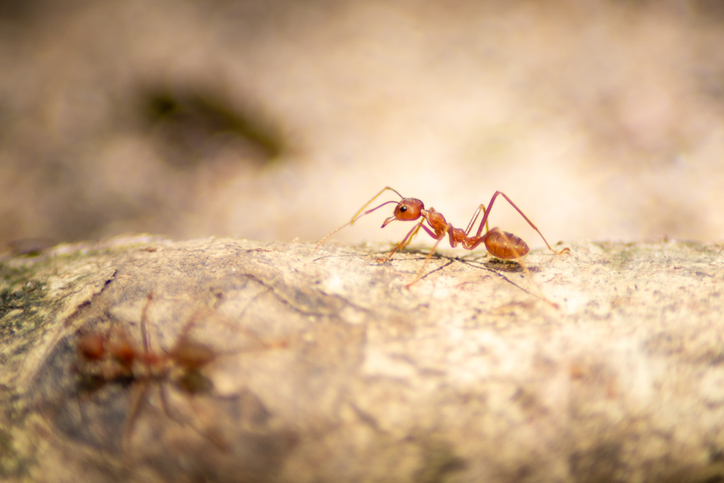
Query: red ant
{"type": "Point", "coordinates": [111, 357]}
{"type": "Point", "coordinates": [500, 244]}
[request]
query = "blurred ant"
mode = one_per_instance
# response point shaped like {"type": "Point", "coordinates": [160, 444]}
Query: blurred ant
{"type": "Point", "coordinates": [111, 357]}
{"type": "Point", "coordinates": [498, 243]}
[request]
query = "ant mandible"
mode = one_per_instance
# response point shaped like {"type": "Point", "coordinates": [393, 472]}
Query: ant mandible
{"type": "Point", "coordinates": [500, 244]}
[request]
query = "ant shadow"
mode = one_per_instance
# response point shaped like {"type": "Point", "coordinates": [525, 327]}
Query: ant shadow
{"type": "Point", "coordinates": [496, 266]}
{"type": "Point", "coordinates": [482, 262]}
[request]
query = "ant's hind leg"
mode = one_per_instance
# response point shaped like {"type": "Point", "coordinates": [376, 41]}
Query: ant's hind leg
{"type": "Point", "coordinates": [490, 207]}
{"type": "Point", "coordinates": [481, 208]}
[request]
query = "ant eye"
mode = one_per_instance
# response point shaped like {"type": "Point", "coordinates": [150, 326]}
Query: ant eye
{"type": "Point", "coordinates": [403, 209]}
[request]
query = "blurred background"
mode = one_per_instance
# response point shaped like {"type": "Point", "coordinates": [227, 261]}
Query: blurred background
{"type": "Point", "coordinates": [276, 119]}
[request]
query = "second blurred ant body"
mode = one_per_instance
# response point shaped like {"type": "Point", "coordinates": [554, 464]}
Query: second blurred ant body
{"type": "Point", "coordinates": [124, 360]}
{"type": "Point", "coordinates": [111, 357]}
{"type": "Point", "coordinates": [500, 244]}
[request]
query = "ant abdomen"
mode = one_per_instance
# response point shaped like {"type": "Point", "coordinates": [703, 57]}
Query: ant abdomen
{"type": "Point", "coordinates": [504, 245]}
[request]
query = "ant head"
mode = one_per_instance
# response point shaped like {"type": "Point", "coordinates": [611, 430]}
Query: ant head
{"type": "Point", "coordinates": [91, 347]}
{"type": "Point", "coordinates": [192, 355]}
{"type": "Point", "coordinates": [406, 210]}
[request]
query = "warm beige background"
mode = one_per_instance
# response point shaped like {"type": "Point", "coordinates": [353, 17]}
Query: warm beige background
{"type": "Point", "coordinates": [278, 119]}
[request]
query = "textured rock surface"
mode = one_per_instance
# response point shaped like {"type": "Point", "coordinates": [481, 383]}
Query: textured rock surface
{"type": "Point", "coordinates": [329, 369]}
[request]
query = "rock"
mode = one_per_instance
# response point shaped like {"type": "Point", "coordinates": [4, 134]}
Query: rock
{"type": "Point", "coordinates": [603, 364]}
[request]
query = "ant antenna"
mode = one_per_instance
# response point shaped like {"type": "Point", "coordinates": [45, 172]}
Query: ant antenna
{"type": "Point", "coordinates": [358, 216]}
{"type": "Point", "coordinates": [354, 218]}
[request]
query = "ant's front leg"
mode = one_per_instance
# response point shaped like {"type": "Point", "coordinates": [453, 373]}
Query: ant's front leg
{"type": "Point", "coordinates": [408, 238]}
{"type": "Point", "coordinates": [405, 241]}
{"type": "Point", "coordinates": [414, 234]}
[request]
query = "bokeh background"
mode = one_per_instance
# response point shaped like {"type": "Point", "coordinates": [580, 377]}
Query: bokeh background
{"type": "Point", "coordinates": [277, 119]}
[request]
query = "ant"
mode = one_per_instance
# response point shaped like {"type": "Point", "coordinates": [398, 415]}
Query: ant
{"type": "Point", "coordinates": [111, 357]}
{"type": "Point", "coordinates": [500, 244]}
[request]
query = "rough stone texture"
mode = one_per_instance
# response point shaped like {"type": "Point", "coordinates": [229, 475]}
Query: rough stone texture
{"type": "Point", "coordinates": [329, 369]}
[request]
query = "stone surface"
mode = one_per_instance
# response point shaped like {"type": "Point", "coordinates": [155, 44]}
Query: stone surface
{"type": "Point", "coordinates": [605, 364]}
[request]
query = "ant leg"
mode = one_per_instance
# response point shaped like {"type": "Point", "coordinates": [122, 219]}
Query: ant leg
{"type": "Point", "coordinates": [140, 392]}
{"type": "Point", "coordinates": [475, 218]}
{"type": "Point", "coordinates": [405, 241]}
{"type": "Point", "coordinates": [325, 238]}
{"type": "Point", "coordinates": [212, 434]}
{"type": "Point", "coordinates": [144, 318]}
{"type": "Point", "coordinates": [354, 218]}
{"type": "Point", "coordinates": [427, 259]}
{"type": "Point", "coordinates": [414, 234]}
{"type": "Point", "coordinates": [138, 400]}
{"type": "Point", "coordinates": [490, 207]}
{"type": "Point", "coordinates": [190, 324]}
{"type": "Point", "coordinates": [349, 223]}
{"type": "Point", "coordinates": [358, 215]}
{"type": "Point", "coordinates": [520, 261]}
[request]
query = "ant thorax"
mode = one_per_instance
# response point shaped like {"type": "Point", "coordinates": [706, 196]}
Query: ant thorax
{"type": "Point", "coordinates": [436, 219]}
